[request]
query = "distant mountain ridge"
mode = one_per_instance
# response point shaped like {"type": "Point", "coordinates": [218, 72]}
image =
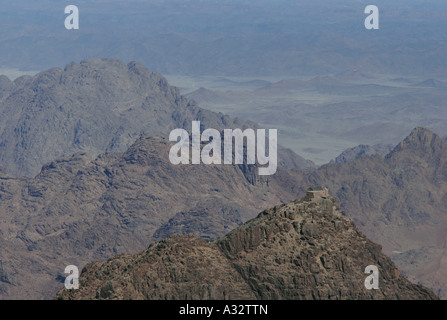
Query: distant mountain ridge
{"type": "Point", "coordinates": [363, 150]}
{"type": "Point", "coordinates": [95, 106]}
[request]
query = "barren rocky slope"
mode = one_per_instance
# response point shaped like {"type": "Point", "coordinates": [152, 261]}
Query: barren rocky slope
{"type": "Point", "coordinates": [306, 249]}
{"type": "Point", "coordinates": [77, 210]}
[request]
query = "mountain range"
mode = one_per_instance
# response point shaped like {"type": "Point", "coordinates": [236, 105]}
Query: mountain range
{"type": "Point", "coordinates": [87, 176]}
{"type": "Point", "coordinates": [95, 106]}
{"type": "Point", "coordinates": [79, 209]}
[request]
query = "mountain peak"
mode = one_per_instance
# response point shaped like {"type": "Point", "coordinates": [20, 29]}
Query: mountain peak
{"type": "Point", "coordinates": [420, 137]}
{"type": "Point", "coordinates": [421, 142]}
{"type": "Point", "coordinates": [306, 249]}
{"type": "Point", "coordinates": [97, 105]}
{"type": "Point", "coordinates": [420, 132]}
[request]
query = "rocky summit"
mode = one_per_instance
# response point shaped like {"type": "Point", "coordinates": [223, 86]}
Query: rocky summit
{"type": "Point", "coordinates": [305, 249]}
{"type": "Point", "coordinates": [95, 106]}
{"type": "Point", "coordinates": [399, 202]}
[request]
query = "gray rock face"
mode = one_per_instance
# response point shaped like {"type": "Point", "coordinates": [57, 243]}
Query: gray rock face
{"type": "Point", "coordinates": [363, 150]}
{"type": "Point", "coordinates": [304, 250]}
{"type": "Point", "coordinates": [208, 218]}
{"type": "Point", "coordinates": [95, 106]}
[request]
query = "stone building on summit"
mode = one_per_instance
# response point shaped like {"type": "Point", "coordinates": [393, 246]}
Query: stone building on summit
{"type": "Point", "coordinates": [317, 192]}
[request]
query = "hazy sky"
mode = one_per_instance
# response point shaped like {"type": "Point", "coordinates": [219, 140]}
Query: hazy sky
{"type": "Point", "coordinates": [229, 37]}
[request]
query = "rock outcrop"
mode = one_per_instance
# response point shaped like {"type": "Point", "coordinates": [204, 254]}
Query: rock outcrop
{"type": "Point", "coordinates": [306, 249]}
